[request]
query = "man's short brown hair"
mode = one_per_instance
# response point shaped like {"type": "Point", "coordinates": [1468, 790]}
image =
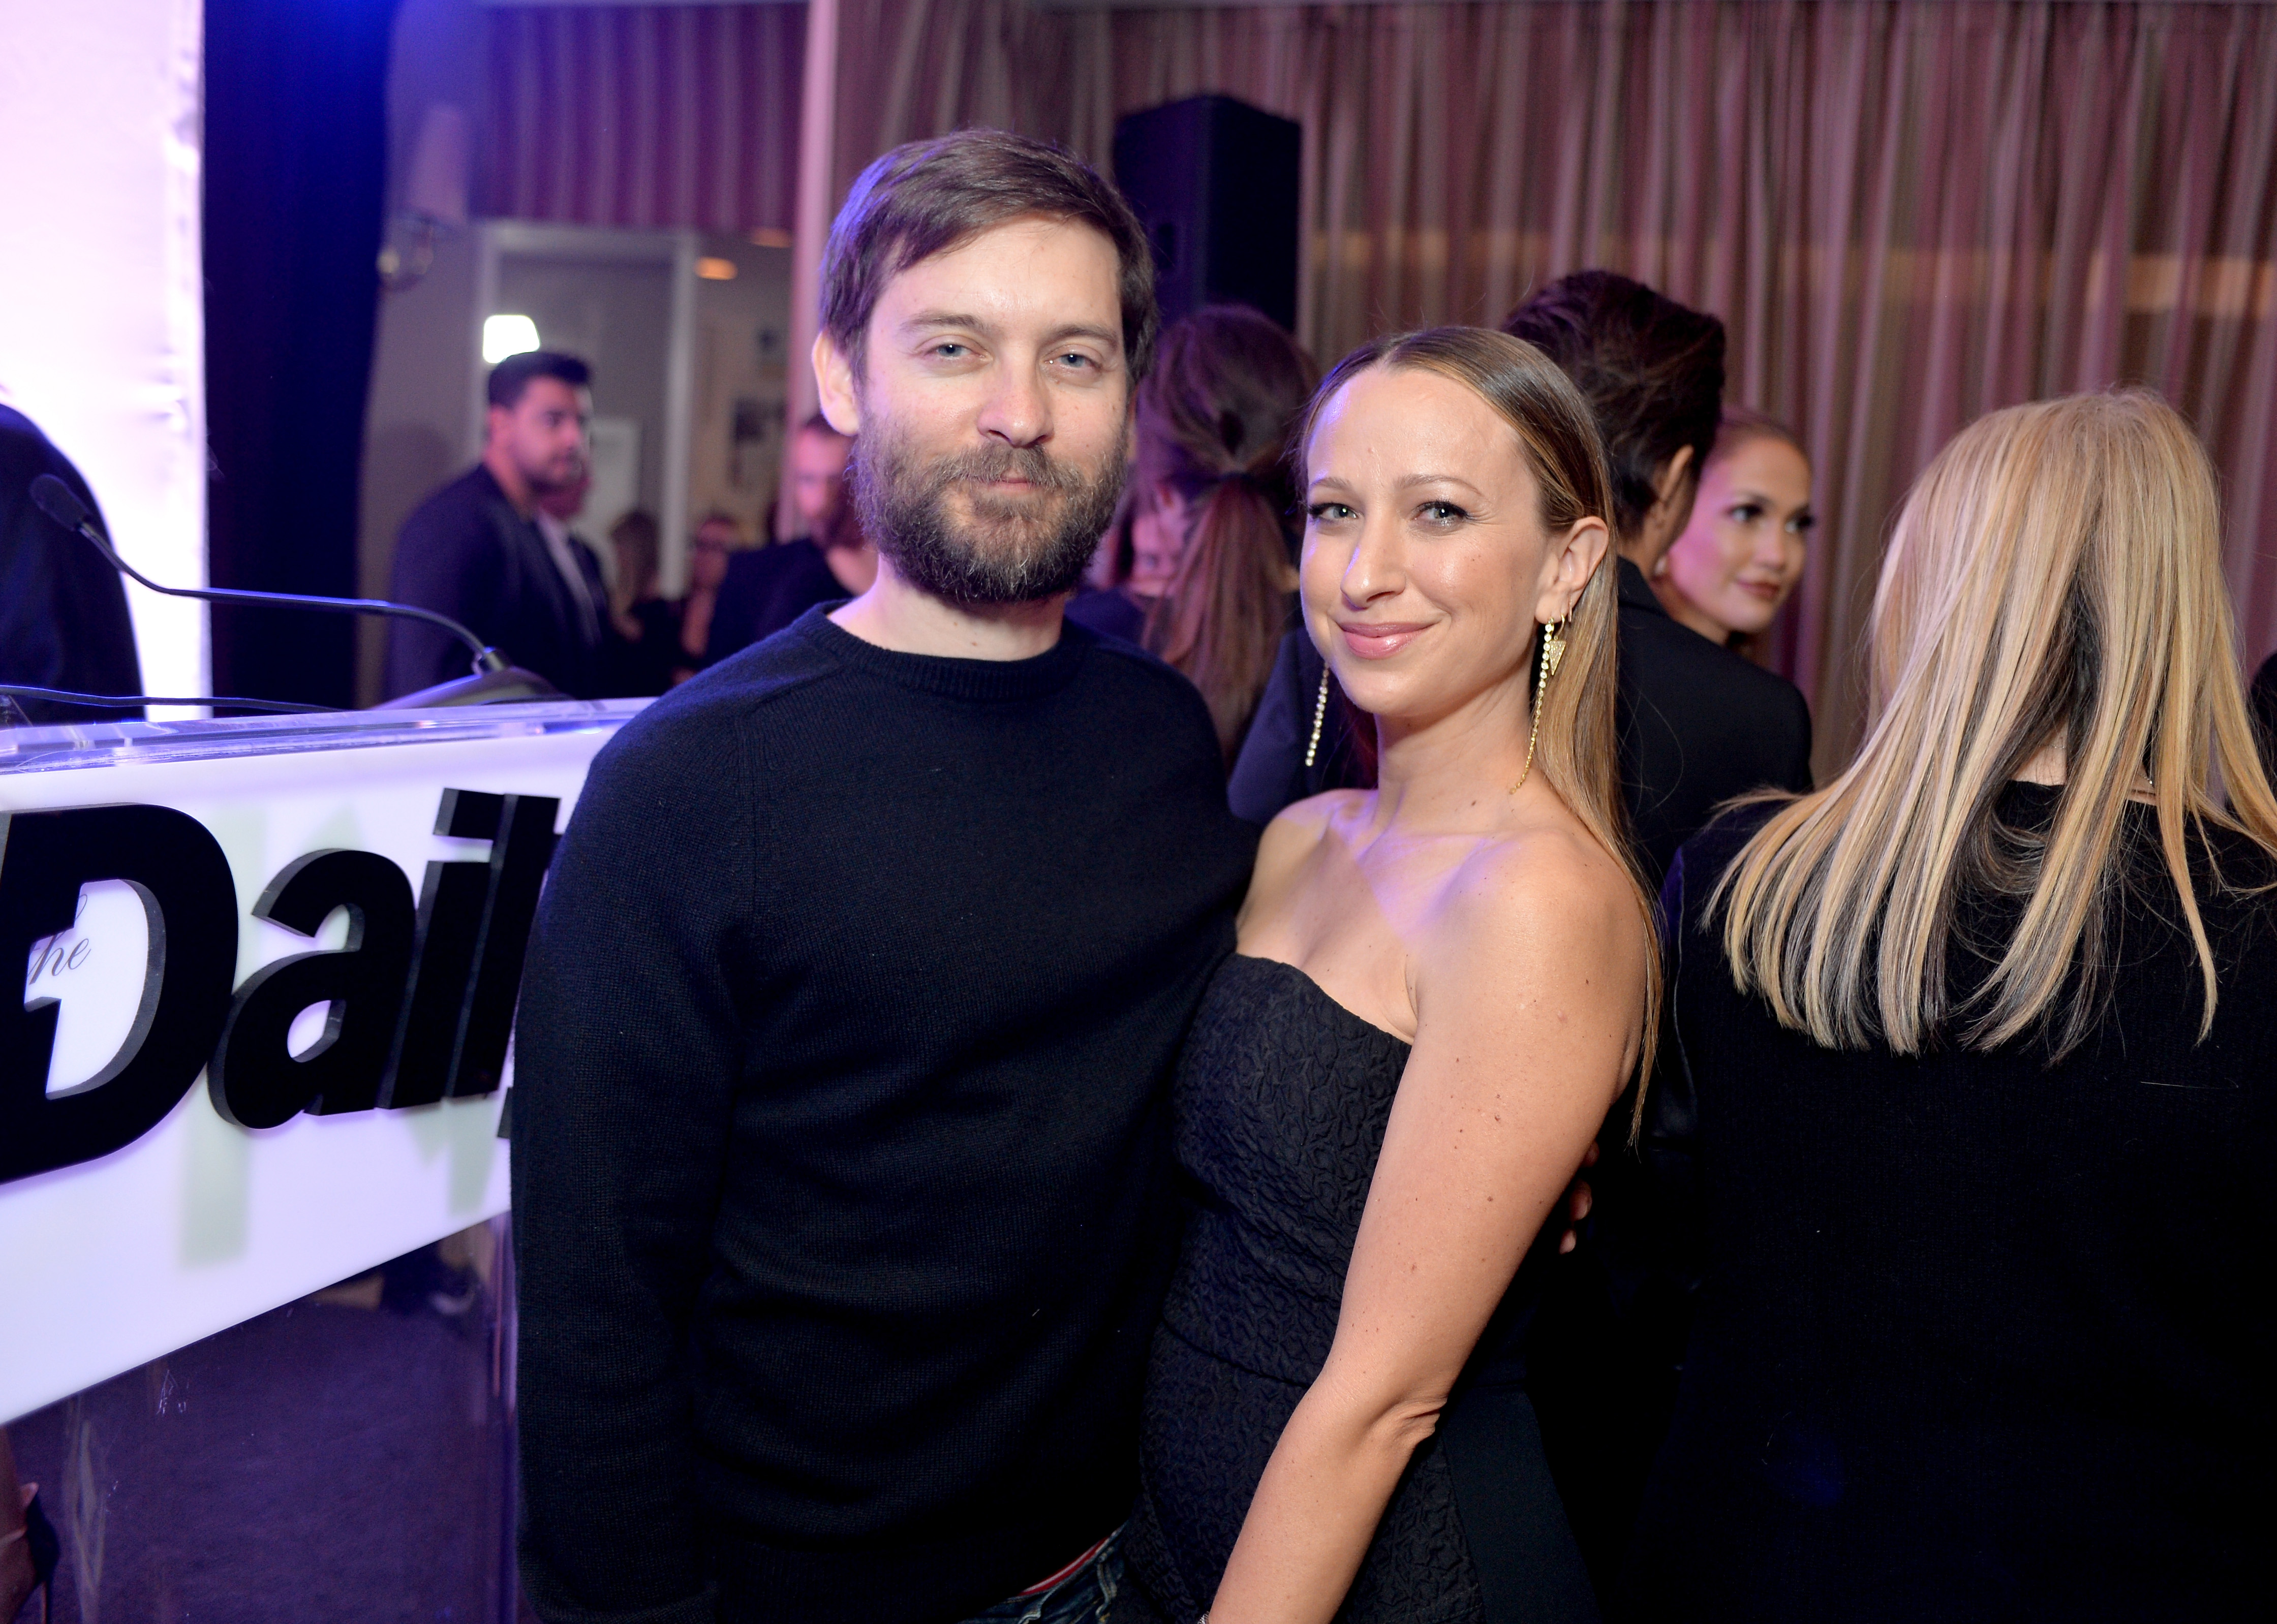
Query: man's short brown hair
{"type": "Point", "coordinates": [925, 198]}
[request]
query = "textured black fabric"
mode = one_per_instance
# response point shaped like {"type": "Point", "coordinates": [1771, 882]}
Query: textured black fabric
{"type": "Point", "coordinates": [1979, 1337]}
{"type": "Point", "coordinates": [841, 1156]}
{"type": "Point", "coordinates": [466, 553]}
{"type": "Point", "coordinates": [1282, 1099]}
{"type": "Point", "coordinates": [633, 668]}
{"type": "Point", "coordinates": [63, 611]}
{"type": "Point", "coordinates": [1698, 726]}
{"type": "Point", "coordinates": [766, 589]}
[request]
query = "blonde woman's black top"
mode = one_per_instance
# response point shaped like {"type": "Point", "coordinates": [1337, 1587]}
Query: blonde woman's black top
{"type": "Point", "coordinates": [1979, 1336]}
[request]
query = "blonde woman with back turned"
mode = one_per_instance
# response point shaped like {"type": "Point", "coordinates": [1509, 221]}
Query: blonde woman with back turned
{"type": "Point", "coordinates": [1975, 1051]}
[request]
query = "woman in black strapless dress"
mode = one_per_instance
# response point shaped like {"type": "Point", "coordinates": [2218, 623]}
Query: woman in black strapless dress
{"type": "Point", "coordinates": [1440, 988]}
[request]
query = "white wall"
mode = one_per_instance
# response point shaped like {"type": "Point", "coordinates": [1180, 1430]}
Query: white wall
{"type": "Point", "coordinates": [102, 321]}
{"type": "Point", "coordinates": [421, 419]}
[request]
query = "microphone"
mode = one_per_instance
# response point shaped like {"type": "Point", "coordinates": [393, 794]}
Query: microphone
{"type": "Point", "coordinates": [494, 679]}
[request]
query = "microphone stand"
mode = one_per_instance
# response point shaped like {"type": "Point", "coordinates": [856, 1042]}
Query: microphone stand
{"type": "Point", "coordinates": [494, 680]}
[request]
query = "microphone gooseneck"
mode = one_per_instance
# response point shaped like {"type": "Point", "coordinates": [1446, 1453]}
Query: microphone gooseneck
{"type": "Point", "coordinates": [57, 500]}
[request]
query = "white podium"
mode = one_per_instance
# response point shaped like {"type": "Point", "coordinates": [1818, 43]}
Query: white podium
{"type": "Point", "coordinates": [263, 1041]}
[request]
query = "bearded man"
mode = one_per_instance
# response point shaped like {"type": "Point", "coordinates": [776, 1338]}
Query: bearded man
{"type": "Point", "coordinates": [842, 1202]}
{"type": "Point", "coordinates": [492, 549]}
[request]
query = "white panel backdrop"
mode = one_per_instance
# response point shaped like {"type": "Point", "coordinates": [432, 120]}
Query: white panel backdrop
{"type": "Point", "coordinates": [101, 327]}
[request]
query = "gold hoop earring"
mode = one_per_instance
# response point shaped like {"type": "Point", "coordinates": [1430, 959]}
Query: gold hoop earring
{"type": "Point", "coordinates": [1553, 652]}
{"type": "Point", "coordinates": [1320, 713]}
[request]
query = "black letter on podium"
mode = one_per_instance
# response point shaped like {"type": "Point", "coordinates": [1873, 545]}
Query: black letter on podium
{"type": "Point", "coordinates": [179, 870]}
{"type": "Point", "coordinates": [474, 924]}
{"type": "Point", "coordinates": [254, 1080]}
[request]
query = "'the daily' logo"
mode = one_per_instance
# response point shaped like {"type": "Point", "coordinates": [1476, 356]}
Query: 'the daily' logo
{"type": "Point", "coordinates": [421, 996]}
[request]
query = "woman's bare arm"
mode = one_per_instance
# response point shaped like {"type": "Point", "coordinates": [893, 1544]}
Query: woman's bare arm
{"type": "Point", "coordinates": [1529, 988]}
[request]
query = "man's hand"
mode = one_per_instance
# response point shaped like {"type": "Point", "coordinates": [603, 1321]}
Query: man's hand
{"type": "Point", "coordinates": [1578, 1197]}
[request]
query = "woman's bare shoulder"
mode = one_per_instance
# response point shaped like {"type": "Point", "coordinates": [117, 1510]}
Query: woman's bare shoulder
{"type": "Point", "coordinates": [1547, 895]}
{"type": "Point", "coordinates": [1290, 840]}
{"type": "Point", "coordinates": [1299, 827]}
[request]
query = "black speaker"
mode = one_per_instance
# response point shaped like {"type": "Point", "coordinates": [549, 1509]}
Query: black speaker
{"type": "Point", "coordinates": [1214, 182]}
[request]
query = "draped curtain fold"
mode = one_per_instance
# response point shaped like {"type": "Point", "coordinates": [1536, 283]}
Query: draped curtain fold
{"type": "Point", "coordinates": [1909, 212]}
{"type": "Point", "coordinates": [645, 115]}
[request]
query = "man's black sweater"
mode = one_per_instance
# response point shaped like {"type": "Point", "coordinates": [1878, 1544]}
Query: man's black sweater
{"type": "Point", "coordinates": [841, 1182]}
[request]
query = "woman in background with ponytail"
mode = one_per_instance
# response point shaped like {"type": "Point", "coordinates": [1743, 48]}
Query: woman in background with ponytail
{"type": "Point", "coordinates": [1214, 419]}
{"type": "Point", "coordinates": [1209, 517]}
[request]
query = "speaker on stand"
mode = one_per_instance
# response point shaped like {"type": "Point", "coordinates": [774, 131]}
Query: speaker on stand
{"type": "Point", "coordinates": [1214, 182]}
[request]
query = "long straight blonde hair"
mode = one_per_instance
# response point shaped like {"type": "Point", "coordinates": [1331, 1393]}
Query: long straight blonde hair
{"type": "Point", "coordinates": [1579, 748]}
{"type": "Point", "coordinates": [2054, 577]}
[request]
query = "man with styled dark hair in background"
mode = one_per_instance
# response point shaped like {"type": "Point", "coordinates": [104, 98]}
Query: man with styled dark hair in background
{"type": "Point", "coordinates": [1699, 723]}
{"type": "Point", "coordinates": [842, 1194]}
{"type": "Point", "coordinates": [477, 551]}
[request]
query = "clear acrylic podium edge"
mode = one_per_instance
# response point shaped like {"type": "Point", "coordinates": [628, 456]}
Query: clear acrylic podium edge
{"type": "Point", "coordinates": [75, 744]}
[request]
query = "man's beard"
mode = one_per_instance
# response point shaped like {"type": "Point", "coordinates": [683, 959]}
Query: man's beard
{"type": "Point", "coordinates": [552, 476]}
{"type": "Point", "coordinates": [1013, 548]}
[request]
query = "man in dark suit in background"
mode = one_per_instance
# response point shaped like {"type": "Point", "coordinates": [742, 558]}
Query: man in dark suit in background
{"type": "Point", "coordinates": [474, 550]}
{"type": "Point", "coordinates": [63, 611]}
{"type": "Point", "coordinates": [768, 587]}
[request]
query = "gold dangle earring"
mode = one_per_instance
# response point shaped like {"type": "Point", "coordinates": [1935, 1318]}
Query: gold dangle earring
{"type": "Point", "coordinates": [1553, 650]}
{"type": "Point", "coordinates": [1320, 713]}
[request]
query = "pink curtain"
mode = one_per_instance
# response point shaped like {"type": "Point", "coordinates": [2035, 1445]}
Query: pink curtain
{"type": "Point", "coordinates": [1908, 211]}
{"type": "Point", "coordinates": [645, 115]}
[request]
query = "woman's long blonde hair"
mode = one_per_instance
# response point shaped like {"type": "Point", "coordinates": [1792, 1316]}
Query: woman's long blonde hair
{"type": "Point", "coordinates": [1579, 748]}
{"type": "Point", "coordinates": [2054, 577]}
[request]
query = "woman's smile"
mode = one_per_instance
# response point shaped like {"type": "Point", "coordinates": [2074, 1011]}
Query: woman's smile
{"type": "Point", "coordinates": [1380, 640]}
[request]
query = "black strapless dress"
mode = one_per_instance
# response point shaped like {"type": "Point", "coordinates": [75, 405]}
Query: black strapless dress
{"type": "Point", "coordinates": [1282, 1098]}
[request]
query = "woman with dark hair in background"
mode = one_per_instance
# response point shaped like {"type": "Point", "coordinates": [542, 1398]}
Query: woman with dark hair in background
{"type": "Point", "coordinates": [1201, 556]}
{"type": "Point", "coordinates": [1736, 563]}
{"type": "Point", "coordinates": [1213, 423]}
{"type": "Point", "coordinates": [1974, 1076]}
{"type": "Point", "coordinates": [1439, 986]}
{"type": "Point", "coordinates": [646, 646]}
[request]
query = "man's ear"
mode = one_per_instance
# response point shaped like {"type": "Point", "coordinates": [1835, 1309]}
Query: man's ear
{"type": "Point", "coordinates": [1578, 557]}
{"type": "Point", "coordinates": [833, 381]}
{"type": "Point", "coordinates": [1669, 481]}
{"type": "Point", "coordinates": [1673, 488]}
{"type": "Point", "coordinates": [497, 421]}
